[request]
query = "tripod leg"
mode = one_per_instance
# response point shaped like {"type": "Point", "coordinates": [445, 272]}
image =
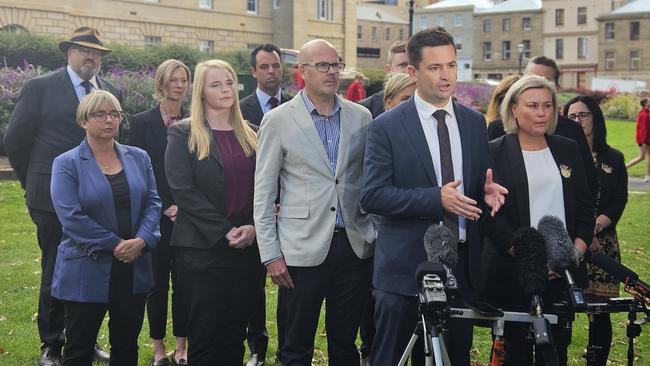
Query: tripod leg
{"type": "Point", "coordinates": [409, 346]}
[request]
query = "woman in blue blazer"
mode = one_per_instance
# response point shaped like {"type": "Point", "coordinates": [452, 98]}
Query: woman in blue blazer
{"type": "Point", "coordinates": [104, 194]}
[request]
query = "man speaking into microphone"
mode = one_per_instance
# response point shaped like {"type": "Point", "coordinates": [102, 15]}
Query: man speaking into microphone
{"type": "Point", "coordinates": [426, 161]}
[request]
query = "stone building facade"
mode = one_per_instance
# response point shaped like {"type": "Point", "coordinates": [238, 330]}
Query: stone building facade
{"type": "Point", "coordinates": [376, 31]}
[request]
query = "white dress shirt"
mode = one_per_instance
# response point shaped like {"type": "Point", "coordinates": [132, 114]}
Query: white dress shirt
{"type": "Point", "coordinates": [545, 192]}
{"type": "Point", "coordinates": [76, 83]}
{"type": "Point", "coordinates": [430, 128]}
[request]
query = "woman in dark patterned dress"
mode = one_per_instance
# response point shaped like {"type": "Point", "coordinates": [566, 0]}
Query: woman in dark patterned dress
{"type": "Point", "coordinates": [610, 203]}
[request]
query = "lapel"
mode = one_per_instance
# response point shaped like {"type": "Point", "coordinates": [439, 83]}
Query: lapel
{"type": "Point", "coordinates": [214, 149]}
{"type": "Point", "coordinates": [465, 130]}
{"type": "Point", "coordinates": [157, 129]}
{"type": "Point", "coordinates": [511, 152]}
{"type": "Point", "coordinates": [255, 107]}
{"type": "Point", "coordinates": [67, 92]}
{"type": "Point", "coordinates": [344, 138]}
{"type": "Point", "coordinates": [411, 123]}
{"type": "Point", "coordinates": [298, 112]}
{"type": "Point", "coordinates": [559, 160]}
{"type": "Point", "coordinates": [90, 169]}
{"type": "Point", "coordinates": [133, 179]}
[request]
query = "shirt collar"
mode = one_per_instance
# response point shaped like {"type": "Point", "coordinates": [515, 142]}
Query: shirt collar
{"type": "Point", "coordinates": [264, 98]}
{"type": "Point", "coordinates": [77, 80]}
{"type": "Point", "coordinates": [312, 108]}
{"type": "Point", "coordinates": [428, 109]}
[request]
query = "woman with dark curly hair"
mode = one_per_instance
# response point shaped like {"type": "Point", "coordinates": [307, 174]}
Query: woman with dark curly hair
{"type": "Point", "coordinates": [611, 198]}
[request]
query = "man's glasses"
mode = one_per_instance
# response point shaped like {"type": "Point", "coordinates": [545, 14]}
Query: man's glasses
{"type": "Point", "coordinates": [581, 116]}
{"type": "Point", "coordinates": [86, 51]}
{"type": "Point", "coordinates": [101, 116]}
{"type": "Point", "coordinates": [325, 66]}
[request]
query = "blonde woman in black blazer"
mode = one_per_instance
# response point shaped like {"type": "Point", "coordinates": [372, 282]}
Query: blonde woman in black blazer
{"type": "Point", "coordinates": [529, 112]}
{"type": "Point", "coordinates": [210, 166]}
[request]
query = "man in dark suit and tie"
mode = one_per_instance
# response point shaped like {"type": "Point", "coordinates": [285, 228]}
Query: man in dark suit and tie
{"type": "Point", "coordinates": [426, 161]}
{"type": "Point", "coordinates": [266, 68]}
{"type": "Point", "coordinates": [397, 62]}
{"type": "Point", "coordinates": [42, 126]}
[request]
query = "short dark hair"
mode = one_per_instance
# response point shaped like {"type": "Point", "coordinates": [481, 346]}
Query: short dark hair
{"type": "Point", "coordinates": [548, 62]}
{"type": "Point", "coordinates": [644, 102]}
{"type": "Point", "coordinates": [599, 129]}
{"type": "Point", "coordinates": [395, 48]}
{"type": "Point", "coordinates": [266, 47]}
{"type": "Point", "coordinates": [430, 37]}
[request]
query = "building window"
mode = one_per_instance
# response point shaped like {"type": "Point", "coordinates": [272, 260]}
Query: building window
{"type": "Point", "coordinates": [359, 32]}
{"type": "Point", "coordinates": [634, 31]}
{"type": "Point", "coordinates": [401, 34]}
{"type": "Point", "coordinates": [487, 25]}
{"type": "Point", "coordinates": [424, 22]}
{"type": "Point", "coordinates": [205, 4]}
{"type": "Point", "coordinates": [559, 48]}
{"type": "Point", "coordinates": [583, 47]}
{"type": "Point", "coordinates": [151, 40]}
{"type": "Point", "coordinates": [525, 23]}
{"type": "Point", "coordinates": [366, 52]}
{"type": "Point", "coordinates": [505, 50]}
{"type": "Point", "coordinates": [458, 20]}
{"type": "Point", "coordinates": [495, 76]}
{"type": "Point", "coordinates": [526, 53]}
{"type": "Point", "coordinates": [373, 34]}
{"type": "Point", "coordinates": [440, 20]}
{"type": "Point", "coordinates": [582, 15]}
{"type": "Point", "coordinates": [324, 9]}
{"type": "Point", "coordinates": [506, 24]}
{"type": "Point", "coordinates": [559, 16]}
{"type": "Point", "coordinates": [609, 31]}
{"type": "Point", "coordinates": [276, 4]}
{"type": "Point", "coordinates": [487, 51]}
{"type": "Point", "coordinates": [458, 41]}
{"type": "Point", "coordinates": [206, 45]}
{"type": "Point", "coordinates": [388, 34]}
{"type": "Point", "coordinates": [635, 60]}
{"type": "Point", "coordinates": [251, 6]}
{"type": "Point", "coordinates": [609, 60]}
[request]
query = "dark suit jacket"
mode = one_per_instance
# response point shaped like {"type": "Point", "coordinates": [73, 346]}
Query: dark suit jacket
{"type": "Point", "coordinates": [399, 183]}
{"type": "Point", "coordinates": [571, 130]}
{"type": "Point", "coordinates": [84, 204]}
{"type": "Point", "coordinates": [43, 125]}
{"type": "Point", "coordinates": [498, 266]}
{"type": "Point", "coordinates": [612, 184]}
{"type": "Point", "coordinates": [198, 188]}
{"type": "Point", "coordinates": [374, 103]}
{"type": "Point", "coordinates": [149, 133]}
{"type": "Point", "coordinates": [252, 110]}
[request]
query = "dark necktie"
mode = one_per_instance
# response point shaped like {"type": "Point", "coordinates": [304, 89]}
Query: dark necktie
{"type": "Point", "coordinates": [450, 220]}
{"type": "Point", "coordinates": [273, 101]}
{"type": "Point", "coordinates": [88, 87]}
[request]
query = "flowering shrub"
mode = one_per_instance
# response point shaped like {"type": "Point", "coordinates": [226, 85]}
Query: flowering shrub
{"type": "Point", "coordinates": [621, 106]}
{"type": "Point", "coordinates": [473, 95]}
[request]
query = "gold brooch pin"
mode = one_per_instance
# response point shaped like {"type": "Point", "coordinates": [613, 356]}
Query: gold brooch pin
{"type": "Point", "coordinates": [606, 168]}
{"type": "Point", "coordinates": [565, 170]}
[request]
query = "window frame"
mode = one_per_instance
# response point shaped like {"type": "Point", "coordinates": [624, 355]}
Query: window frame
{"type": "Point", "coordinates": [581, 14]}
{"type": "Point", "coordinates": [559, 16]}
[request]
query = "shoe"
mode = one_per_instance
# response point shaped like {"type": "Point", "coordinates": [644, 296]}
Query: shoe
{"type": "Point", "coordinates": [647, 178]}
{"type": "Point", "coordinates": [255, 360]}
{"type": "Point", "coordinates": [177, 362]}
{"type": "Point", "coordinates": [365, 361]}
{"type": "Point", "coordinates": [99, 355]}
{"type": "Point", "coordinates": [49, 357]}
{"type": "Point", "coordinates": [161, 362]}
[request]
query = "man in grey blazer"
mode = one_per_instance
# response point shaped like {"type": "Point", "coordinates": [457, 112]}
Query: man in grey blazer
{"type": "Point", "coordinates": [42, 126]}
{"type": "Point", "coordinates": [320, 246]}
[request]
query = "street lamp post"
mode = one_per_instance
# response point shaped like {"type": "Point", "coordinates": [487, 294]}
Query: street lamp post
{"type": "Point", "coordinates": [520, 47]}
{"type": "Point", "coordinates": [411, 4]}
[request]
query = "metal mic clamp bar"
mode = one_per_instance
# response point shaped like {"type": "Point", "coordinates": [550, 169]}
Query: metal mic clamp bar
{"type": "Point", "coordinates": [508, 316]}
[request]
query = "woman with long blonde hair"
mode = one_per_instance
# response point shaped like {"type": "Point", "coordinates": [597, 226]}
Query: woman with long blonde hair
{"type": "Point", "coordinates": [210, 165]}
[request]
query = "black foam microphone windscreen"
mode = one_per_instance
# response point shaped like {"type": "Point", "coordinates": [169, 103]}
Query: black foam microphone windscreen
{"type": "Point", "coordinates": [530, 260]}
{"type": "Point", "coordinates": [559, 246]}
{"type": "Point", "coordinates": [441, 245]}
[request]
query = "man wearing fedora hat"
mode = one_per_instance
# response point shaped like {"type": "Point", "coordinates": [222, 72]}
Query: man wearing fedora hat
{"type": "Point", "coordinates": [42, 126]}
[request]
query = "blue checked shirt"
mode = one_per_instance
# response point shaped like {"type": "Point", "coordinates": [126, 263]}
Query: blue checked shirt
{"type": "Point", "coordinates": [329, 130]}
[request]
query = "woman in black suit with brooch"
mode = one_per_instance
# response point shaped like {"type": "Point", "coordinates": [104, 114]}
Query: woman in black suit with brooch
{"type": "Point", "coordinates": [149, 132]}
{"type": "Point", "coordinates": [544, 176]}
{"type": "Point", "coordinates": [210, 165]}
{"type": "Point", "coordinates": [611, 199]}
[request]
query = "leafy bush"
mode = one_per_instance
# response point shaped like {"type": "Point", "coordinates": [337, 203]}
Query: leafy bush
{"type": "Point", "coordinates": [621, 106]}
{"type": "Point", "coordinates": [15, 48]}
{"type": "Point", "coordinates": [474, 95]}
{"type": "Point", "coordinates": [375, 80]}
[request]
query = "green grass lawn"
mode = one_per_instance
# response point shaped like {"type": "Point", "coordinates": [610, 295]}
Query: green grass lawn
{"type": "Point", "coordinates": [620, 135]}
{"type": "Point", "coordinates": [20, 271]}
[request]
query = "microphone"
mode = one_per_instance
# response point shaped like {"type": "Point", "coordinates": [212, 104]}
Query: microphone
{"type": "Point", "coordinates": [562, 256]}
{"type": "Point", "coordinates": [637, 288]}
{"type": "Point", "coordinates": [441, 247]}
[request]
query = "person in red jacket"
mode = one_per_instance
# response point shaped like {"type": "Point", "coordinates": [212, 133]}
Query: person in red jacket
{"type": "Point", "coordinates": [642, 138]}
{"type": "Point", "coordinates": [356, 91]}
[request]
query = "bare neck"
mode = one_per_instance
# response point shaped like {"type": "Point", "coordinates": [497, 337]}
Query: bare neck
{"type": "Point", "coordinates": [218, 119]}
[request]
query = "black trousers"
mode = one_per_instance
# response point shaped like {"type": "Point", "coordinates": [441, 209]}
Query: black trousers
{"type": "Point", "coordinates": [397, 315]}
{"type": "Point", "coordinates": [163, 262]}
{"type": "Point", "coordinates": [257, 335]}
{"type": "Point", "coordinates": [341, 280]}
{"type": "Point", "coordinates": [218, 303]}
{"type": "Point", "coordinates": [50, 310]}
{"type": "Point", "coordinates": [367, 326]}
{"type": "Point", "coordinates": [126, 313]}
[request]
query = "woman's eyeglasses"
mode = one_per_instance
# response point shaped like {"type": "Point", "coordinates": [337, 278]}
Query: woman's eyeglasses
{"type": "Point", "coordinates": [101, 116]}
{"type": "Point", "coordinates": [580, 116]}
